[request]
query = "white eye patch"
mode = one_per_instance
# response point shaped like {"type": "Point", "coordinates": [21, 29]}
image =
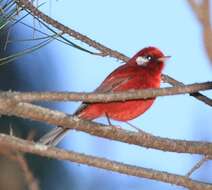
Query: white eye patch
{"type": "Point", "coordinates": [142, 61]}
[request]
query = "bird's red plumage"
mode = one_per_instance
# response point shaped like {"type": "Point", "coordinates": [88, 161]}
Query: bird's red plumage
{"type": "Point", "coordinates": [130, 76]}
{"type": "Point", "coordinates": [137, 73]}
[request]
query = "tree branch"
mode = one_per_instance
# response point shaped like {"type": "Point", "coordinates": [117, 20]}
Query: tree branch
{"type": "Point", "coordinates": [197, 166]}
{"type": "Point", "coordinates": [19, 159]}
{"type": "Point", "coordinates": [104, 51]}
{"type": "Point", "coordinates": [38, 113]}
{"type": "Point", "coordinates": [51, 152]}
{"type": "Point", "coordinates": [106, 97]}
{"type": "Point", "coordinates": [202, 12]}
{"type": "Point", "coordinates": [28, 175]}
{"type": "Point", "coordinates": [196, 95]}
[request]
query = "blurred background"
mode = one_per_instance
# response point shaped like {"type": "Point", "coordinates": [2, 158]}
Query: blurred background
{"type": "Point", "coordinates": [126, 26]}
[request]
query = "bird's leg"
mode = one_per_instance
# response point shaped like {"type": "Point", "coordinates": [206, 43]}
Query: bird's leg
{"type": "Point", "coordinates": [108, 119]}
{"type": "Point", "coordinates": [136, 128]}
{"type": "Point", "coordinates": [110, 123]}
{"type": "Point", "coordinates": [133, 126]}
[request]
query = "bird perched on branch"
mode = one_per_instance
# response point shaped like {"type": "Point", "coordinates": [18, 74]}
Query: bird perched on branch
{"type": "Point", "coordinates": [142, 71]}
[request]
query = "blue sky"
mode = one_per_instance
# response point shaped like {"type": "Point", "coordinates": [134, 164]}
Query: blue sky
{"type": "Point", "coordinates": [128, 26]}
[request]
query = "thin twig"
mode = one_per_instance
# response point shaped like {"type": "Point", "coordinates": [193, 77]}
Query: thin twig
{"type": "Point", "coordinates": [38, 113]}
{"type": "Point", "coordinates": [18, 157]}
{"type": "Point", "coordinates": [104, 51]}
{"type": "Point", "coordinates": [30, 179]}
{"type": "Point", "coordinates": [43, 150]}
{"type": "Point", "coordinates": [7, 40]}
{"type": "Point", "coordinates": [196, 95]}
{"type": "Point", "coordinates": [198, 165]}
{"type": "Point", "coordinates": [107, 97]}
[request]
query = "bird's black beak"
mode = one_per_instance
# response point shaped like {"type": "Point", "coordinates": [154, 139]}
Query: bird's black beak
{"type": "Point", "coordinates": [164, 58]}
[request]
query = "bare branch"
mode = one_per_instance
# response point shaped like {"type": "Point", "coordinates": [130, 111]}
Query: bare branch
{"type": "Point", "coordinates": [198, 165]}
{"type": "Point", "coordinates": [202, 12]}
{"type": "Point", "coordinates": [107, 97]}
{"type": "Point", "coordinates": [43, 150]}
{"type": "Point", "coordinates": [196, 95]}
{"type": "Point", "coordinates": [38, 113]}
{"type": "Point", "coordinates": [14, 103]}
{"type": "Point", "coordinates": [31, 181]}
{"type": "Point", "coordinates": [18, 157]}
{"type": "Point", "coordinates": [197, 10]}
{"type": "Point", "coordinates": [66, 30]}
{"type": "Point", "coordinates": [104, 51]}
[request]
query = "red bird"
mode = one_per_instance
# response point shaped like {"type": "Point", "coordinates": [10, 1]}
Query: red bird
{"type": "Point", "coordinates": [142, 71]}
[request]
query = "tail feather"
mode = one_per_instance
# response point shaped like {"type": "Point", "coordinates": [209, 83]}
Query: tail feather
{"type": "Point", "coordinates": [53, 137]}
{"type": "Point", "coordinates": [56, 135]}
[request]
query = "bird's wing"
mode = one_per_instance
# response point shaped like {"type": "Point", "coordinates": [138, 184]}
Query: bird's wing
{"type": "Point", "coordinates": [110, 84]}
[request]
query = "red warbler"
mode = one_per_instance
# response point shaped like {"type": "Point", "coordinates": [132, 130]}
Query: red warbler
{"type": "Point", "coordinates": [142, 71]}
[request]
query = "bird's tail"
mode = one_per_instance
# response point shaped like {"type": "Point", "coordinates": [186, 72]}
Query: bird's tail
{"type": "Point", "coordinates": [56, 135]}
{"type": "Point", "coordinates": [53, 137]}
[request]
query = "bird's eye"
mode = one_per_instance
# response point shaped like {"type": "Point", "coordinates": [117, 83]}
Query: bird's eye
{"type": "Point", "coordinates": [149, 57]}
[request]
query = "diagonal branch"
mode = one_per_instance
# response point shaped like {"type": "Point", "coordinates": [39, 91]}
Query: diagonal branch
{"type": "Point", "coordinates": [51, 152]}
{"type": "Point", "coordinates": [19, 159]}
{"type": "Point", "coordinates": [104, 51]}
{"type": "Point", "coordinates": [38, 113]}
{"type": "Point", "coordinates": [202, 12]}
{"type": "Point", "coordinates": [197, 166]}
{"type": "Point", "coordinates": [107, 97]}
{"type": "Point", "coordinates": [196, 95]}
{"type": "Point", "coordinates": [28, 175]}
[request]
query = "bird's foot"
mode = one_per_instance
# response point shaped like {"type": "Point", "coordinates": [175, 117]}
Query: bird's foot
{"type": "Point", "coordinates": [114, 127]}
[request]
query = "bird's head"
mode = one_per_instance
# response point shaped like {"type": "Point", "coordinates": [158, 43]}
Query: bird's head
{"type": "Point", "coordinates": [150, 57]}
